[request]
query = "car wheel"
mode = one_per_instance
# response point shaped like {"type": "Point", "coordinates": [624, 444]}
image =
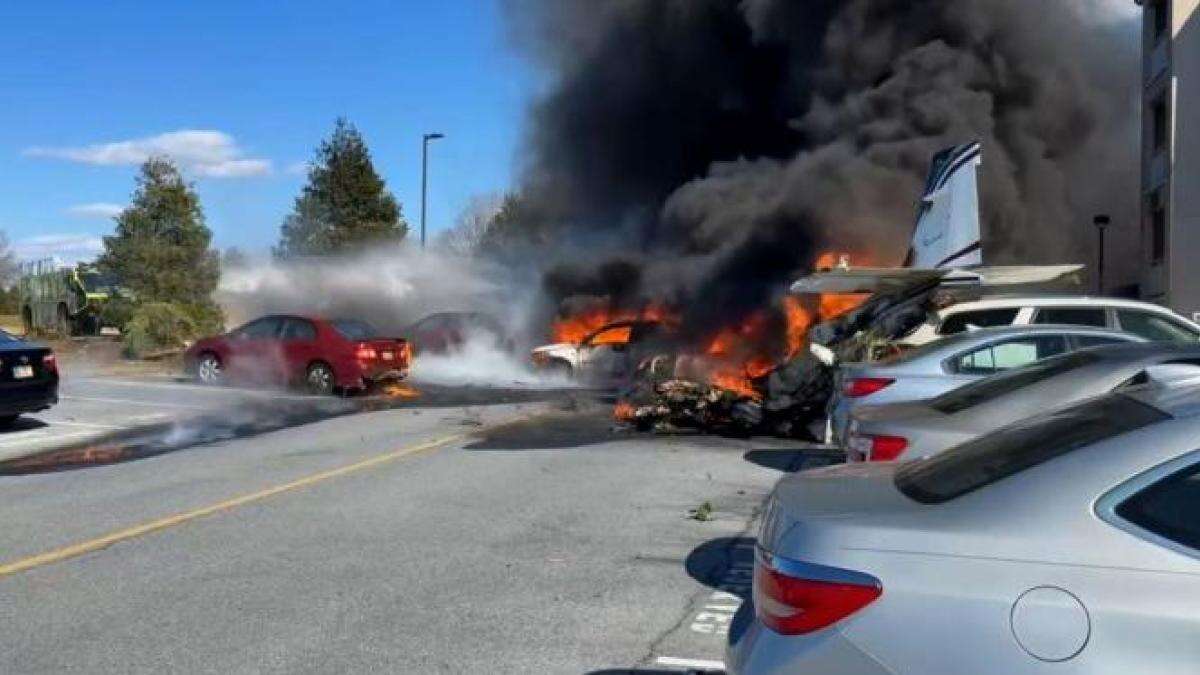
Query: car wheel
{"type": "Point", "coordinates": [560, 369]}
{"type": "Point", "coordinates": [319, 380]}
{"type": "Point", "coordinates": [208, 369]}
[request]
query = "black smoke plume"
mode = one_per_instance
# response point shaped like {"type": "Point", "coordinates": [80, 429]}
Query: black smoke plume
{"type": "Point", "coordinates": [715, 147]}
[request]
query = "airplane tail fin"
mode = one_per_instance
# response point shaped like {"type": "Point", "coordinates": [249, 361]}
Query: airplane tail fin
{"type": "Point", "coordinates": [947, 235]}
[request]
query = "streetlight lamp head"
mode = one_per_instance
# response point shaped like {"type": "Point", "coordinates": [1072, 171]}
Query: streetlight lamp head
{"type": "Point", "coordinates": [434, 137]}
{"type": "Point", "coordinates": [1102, 221]}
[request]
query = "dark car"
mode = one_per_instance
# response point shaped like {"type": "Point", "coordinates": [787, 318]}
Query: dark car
{"type": "Point", "coordinates": [28, 378]}
{"type": "Point", "coordinates": [446, 331]}
{"type": "Point", "coordinates": [323, 355]}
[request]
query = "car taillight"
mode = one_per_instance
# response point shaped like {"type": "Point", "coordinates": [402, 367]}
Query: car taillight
{"type": "Point", "coordinates": [50, 363]}
{"type": "Point", "coordinates": [865, 386]}
{"type": "Point", "coordinates": [794, 598]}
{"type": "Point", "coordinates": [877, 448]}
{"type": "Point", "coordinates": [366, 353]}
{"type": "Point", "coordinates": [886, 448]}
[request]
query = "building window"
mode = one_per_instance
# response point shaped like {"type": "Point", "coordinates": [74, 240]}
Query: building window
{"type": "Point", "coordinates": [1158, 227]}
{"type": "Point", "coordinates": [1160, 11]}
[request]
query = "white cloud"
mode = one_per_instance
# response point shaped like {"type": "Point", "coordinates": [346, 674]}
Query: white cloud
{"type": "Point", "coordinates": [70, 248]}
{"type": "Point", "coordinates": [201, 152]}
{"type": "Point", "coordinates": [95, 210]}
{"type": "Point", "coordinates": [296, 168]}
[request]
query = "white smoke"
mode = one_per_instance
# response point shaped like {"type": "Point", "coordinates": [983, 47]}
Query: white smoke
{"type": "Point", "coordinates": [482, 361]}
{"type": "Point", "coordinates": [390, 288]}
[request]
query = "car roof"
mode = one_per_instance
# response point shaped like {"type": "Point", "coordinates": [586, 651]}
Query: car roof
{"type": "Point", "coordinates": [980, 336]}
{"type": "Point", "coordinates": [1062, 299]}
{"type": "Point", "coordinates": [1145, 351]}
{"type": "Point", "coordinates": [1033, 329]}
{"type": "Point", "coordinates": [1091, 364]}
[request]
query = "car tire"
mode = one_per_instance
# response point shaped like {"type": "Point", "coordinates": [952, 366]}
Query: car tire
{"type": "Point", "coordinates": [561, 369]}
{"type": "Point", "coordinates": [319, 380]}
{"type": "Point", "coordinates": [209, 369]}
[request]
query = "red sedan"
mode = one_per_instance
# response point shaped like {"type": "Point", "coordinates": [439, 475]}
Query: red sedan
{"type": "Point", "coordinates": [323, 355]}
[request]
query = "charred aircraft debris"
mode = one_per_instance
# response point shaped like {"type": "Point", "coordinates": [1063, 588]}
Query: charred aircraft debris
{"type": "Point", "coordinates": [789, 399]}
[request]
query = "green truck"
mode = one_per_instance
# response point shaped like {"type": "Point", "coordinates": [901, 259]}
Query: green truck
{"type": "Point", "coordinates": [65, 300]}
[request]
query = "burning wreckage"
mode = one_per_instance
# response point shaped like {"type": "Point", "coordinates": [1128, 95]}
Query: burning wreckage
{"type": "Point", "coordinates": [671, 392]}
{"type": "Point", "coordinates": [837, 315]}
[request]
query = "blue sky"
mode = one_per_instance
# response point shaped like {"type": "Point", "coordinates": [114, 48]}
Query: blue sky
{"type": "Point", "coordinates": [90, 87]}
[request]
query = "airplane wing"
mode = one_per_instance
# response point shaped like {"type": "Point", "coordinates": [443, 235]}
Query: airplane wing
{"type": "Point", "coordinates": [865, 280]}
{"type": "Point", "coordinates": [890, 279]}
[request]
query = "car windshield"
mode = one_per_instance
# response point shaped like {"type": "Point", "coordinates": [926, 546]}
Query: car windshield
{"type": "Point", "coordinates": [1014, 449]}
{"type": "Point", "coordinates": [353, 329]}
{"type": "Point", "coordinates": [989, 388]}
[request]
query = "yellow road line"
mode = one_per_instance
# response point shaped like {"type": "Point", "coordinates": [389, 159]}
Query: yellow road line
{"type": "Point", "coordinates": [75, 550]}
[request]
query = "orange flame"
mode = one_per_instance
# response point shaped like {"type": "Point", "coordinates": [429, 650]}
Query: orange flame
{"type": "Point", "coordinates": [733, 347]}
{"type": "Point", "coordinates": [624, 411]}
{"type": "Point", "coordinates": [799, 319]}
{"type": "Point", "coordinates": [736, 382]}
{"type": "Point", "coordinates": [576, 328]}
{"type": "Point", "coordinates": [833, 305]}
{"type": "Point", "coordinates": [400, 390]}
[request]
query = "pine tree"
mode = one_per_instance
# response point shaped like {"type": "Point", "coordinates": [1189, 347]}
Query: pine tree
{"type": "Point", "coordinates": [161, 248]}
{"type": "Point", "coordinates": [345, 206]}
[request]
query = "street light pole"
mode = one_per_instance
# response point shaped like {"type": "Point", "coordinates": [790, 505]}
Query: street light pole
{"type": "Point", "coordinates": [425, 176]}
{"type": "Point", "coordinates": [1101, 222]}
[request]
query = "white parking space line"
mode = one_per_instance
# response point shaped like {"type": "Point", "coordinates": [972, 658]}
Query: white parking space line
{"type": "Point", "coordinates": [261, 393]}
{"type": "Point", "coordinates": [36, 435]}
{"type": "Point", "coordinates": [126, 401]}
{"type": "Point", "coordinates": [702, 664]}
{"type": "Point", "coordinates": [85, 425]}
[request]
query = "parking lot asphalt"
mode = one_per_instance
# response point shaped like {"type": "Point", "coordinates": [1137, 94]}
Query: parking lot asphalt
{"type": "Point", "coordinates": [515, 537]}
{"type": "Point", "coordinates": [95, 407]}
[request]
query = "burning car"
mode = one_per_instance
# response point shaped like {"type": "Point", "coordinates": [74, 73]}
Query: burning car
{"type": "Point", "coordinates": [607, 355]}
{"type": "Point", "coordinates": [323, 355]}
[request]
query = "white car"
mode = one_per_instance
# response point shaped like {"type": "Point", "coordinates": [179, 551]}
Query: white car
{"type": "Point", "coordinates": [607, 356]}
{"type": "Point", "coordinates": [1152, 322]}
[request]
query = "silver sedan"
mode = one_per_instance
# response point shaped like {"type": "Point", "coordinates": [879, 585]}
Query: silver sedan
{"type": "Point", "coordinates": [921, 428]}
{"type": "Point", "coordinates": [1068, 543]}
{"type": "Point", "coordinates": [944, 365]}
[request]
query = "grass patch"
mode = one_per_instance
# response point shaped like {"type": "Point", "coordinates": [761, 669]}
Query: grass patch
{"type": "Point", "coordinates": [702, 513]}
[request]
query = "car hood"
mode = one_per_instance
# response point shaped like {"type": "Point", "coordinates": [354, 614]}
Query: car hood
{"type": "Point", "coordinates": [561, 349]}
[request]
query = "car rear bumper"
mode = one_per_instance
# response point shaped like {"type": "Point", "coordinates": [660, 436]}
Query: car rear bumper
{"type": "Point", "coordinates": [28, 398]}
{"type": "Point", "coordinates": [761, 651]}
{"type": "Point", "coordinates": [386, 376]}
{"type": "Point", "coordinates": [367, 380]}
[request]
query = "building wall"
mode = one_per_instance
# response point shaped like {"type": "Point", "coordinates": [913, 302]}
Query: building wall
{"type": "Point", "coordinates": [1157, 84]}
{"type": "Point", "coordinates": [1171, 169]}
{"type": "Point", "coordinates": [1184, 237]}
